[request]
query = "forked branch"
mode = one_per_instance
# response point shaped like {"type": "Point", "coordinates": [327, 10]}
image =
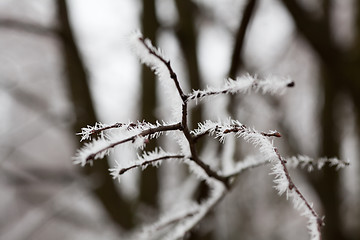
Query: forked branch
{"type": "Point", "coordinates": [141, 132]}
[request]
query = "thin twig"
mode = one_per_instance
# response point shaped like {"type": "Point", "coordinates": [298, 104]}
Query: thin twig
{"type": "Point", "coordinates": [96, 131]}
{"type": "Point", "coordinates": [148, 162]}
{"type": "Point", "coordinates": [185, 129]}
{"type": "Point", "coordinates": [132, 138]}
{"type": "Point", "coordinates": [173, 75]}
{"type": "Point", "coordinates": [293, 187]}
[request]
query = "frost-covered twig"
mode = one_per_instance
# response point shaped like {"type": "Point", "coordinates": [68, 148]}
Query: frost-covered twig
{"type": "Point", "coordinates": [101, 147]}
{"type": "Point", "coordinates": [139, 133]}
{"type": "Point", "coordinates": [99, 128]}
{"type": "Point", "coordinates": [245, 84]}
{"type": "Point", "coordinates": [154, 158]}
{"type": "Point", "coordinates": [291, 162]}
{"type": "Point", "coordinates": [286, 184]}
{"type": "Point", "coordinates": [311, 164]}
{"type": "Point", "coordinates": [283, 181]}
{"type": "Point", "coordinates": [153, 58]}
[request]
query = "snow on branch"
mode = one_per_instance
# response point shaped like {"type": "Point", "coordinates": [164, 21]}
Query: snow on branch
{"type": "Point", "coordinates": [154, 158]}
{"type": "Point", "coordinates": [282, 180]}
{"type": "Point", "coordinates": [220, 129]}
{"type": "Point", "coordinates": [98, 130]}
{"type": "Point", "coordinates": [311, 164]}
{"type": "Point", "coordinates": [139, 136]}
{"type": "Point", "coordinates": [291, 162]}
{"type": "Point", "coordinates": [148, 54]}
{"type": "Point", "coordinates": [286, 184]}
{"type": "Point", "coordinates": [245, 84]}
{"type": "Point", "coordinates": [155, 59]}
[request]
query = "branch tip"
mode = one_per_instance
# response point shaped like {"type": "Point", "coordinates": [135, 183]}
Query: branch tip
{"type": "Point", "coordinates": [291, 84]}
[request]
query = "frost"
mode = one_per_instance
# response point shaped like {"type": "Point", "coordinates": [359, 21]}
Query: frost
{"type": "Point", "coordinates": [280, 180]}
{"type": "Point", "coordinates": [97, 147]}
{"type": "Point", "coordinates": [135, 133]}
{"type": "Point", "coordinates": [145, 51]}
{"type": "Point", "coordinates": [87, 132]}
{"type": "Point", "coordinates": [221, 129]}
{"type": "Point", "coordinates": [245, 84]}
{"type": "Point", "coordinates": [154, 158]}
{"type": "Point", "coordinates": [311, 164]}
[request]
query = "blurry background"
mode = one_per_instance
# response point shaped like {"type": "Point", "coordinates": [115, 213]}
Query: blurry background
{"type": "Point", "coordinates": [67, 64]}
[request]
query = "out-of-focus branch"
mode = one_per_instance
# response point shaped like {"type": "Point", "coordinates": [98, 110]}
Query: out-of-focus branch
{"type": "Point", "coordinates": [317, 32]}
{"type": "Point", "coordinates": [236, 61]}
{"type": "Point", "coordinates": [28, 27]}
{"type": "Point", "coordinates": [327, 7]}
{"type": "Point", "coordinates": [356, 47]}
{"type": "Point", "coordinates": [31, 101]}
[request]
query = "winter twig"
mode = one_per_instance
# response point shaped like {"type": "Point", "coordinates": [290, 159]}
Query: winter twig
{"type": "Point", "coordinates": [139, 133]}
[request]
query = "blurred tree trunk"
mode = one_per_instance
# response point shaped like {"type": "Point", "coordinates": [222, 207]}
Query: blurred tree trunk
{"type": "Point", "coordinates": [327, 181]}
{"type": "Point", "coordinates": [77, 80]}
{"type": "Point", "coordinates": [149, 183]}
{"type": "Point", "coordinates": [354, 72]}
{"type": "Point", "coordinates": [341, 73]}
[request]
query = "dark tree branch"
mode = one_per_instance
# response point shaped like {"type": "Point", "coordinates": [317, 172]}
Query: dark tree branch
{"type": "Point", "coordinates": [317, 32]}
{"type": "Point", "coordinates": [236, 61]}
{"type": "Point", "coordinates": [173, 75]}
{"type": "Point", "coordinates": [28, 27]}
{"type": "Point", "coordinates": [149, 162]}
